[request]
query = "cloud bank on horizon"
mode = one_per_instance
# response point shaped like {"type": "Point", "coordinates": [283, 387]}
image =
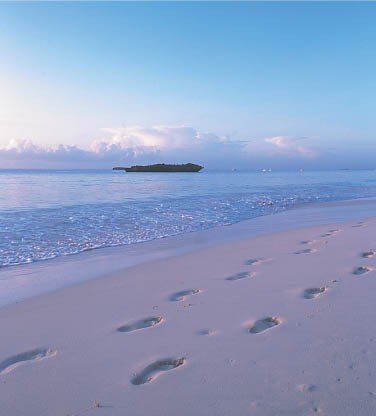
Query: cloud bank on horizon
{"type": "Point", "coordinates": [170, 144]}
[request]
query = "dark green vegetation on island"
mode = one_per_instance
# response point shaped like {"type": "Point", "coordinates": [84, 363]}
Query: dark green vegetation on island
{"type": "Point", "coordinates": [162, 167]}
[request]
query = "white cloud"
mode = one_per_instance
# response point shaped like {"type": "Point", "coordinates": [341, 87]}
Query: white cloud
{"type": "Point", "coordinates": [156, 138]}
{"type": "Point", "coordinates": [126, 145]}
{"type": "Point", "coordinates": [290, 146]}
{"type": "Point", "coordinates": [175, 144]}
{"type": "Point", "coordinates": [21, 146]}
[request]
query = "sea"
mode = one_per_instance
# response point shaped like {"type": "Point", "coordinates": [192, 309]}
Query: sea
{"type": "Point", "coordinates": [46, 214]}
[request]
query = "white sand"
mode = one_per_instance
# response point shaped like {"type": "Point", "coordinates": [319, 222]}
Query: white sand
{"type": "Point", "coordinates": [277, 327]}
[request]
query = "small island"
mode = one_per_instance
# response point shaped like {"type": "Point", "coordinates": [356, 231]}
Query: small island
{"type": "Point", "coordinates": [162, 167]}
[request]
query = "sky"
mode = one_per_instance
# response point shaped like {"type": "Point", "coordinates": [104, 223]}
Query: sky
{"type": "Point", "coordinates": [224, 84]}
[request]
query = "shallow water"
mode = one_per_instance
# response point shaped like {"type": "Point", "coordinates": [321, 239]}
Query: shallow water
{"type": "Point", "coordinates": [47, 214]}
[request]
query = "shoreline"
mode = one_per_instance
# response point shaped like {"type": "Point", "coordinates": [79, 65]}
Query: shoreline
{"type": "Point", "coordinates": [264, 325]}
{"type": "Point", "coordinates": [23, 281]}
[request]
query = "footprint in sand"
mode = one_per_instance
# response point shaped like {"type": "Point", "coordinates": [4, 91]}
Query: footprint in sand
{"type": "Point", "coordinates": [141, 324]}
{"type": "Point", "coordinates": [306, 242]}
{"type": "Point", "coordinates": [255, 261]}
{"type": "Point", "coordinates": [152, 371]}
{"type": "Point", "coordinates": [183, 294]}
{"type": "Point", "coordinates": [313, 292]}
{"type": "Point", "coordinates": [305, 251]}
{"type": "Point", "coordinates": [330, 232]}
{"type": "Point", "coordinates": [361, 270]}
{"type": "Point", "coordinates": [264, 324]}
{"type": "Point", "coordinates": [15, 361]}
{"type": "Point", "coordinates": [358, 224]}
{"type": "Point", "coordinates": [368, 254]}
{"type": "Point", "coordinates": [206, 332]}
{"type": "Point", "coordinates": [238, 276]}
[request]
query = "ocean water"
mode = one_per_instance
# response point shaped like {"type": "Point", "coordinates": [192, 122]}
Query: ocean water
{"type": "Point", "coordinates": [47, 214]}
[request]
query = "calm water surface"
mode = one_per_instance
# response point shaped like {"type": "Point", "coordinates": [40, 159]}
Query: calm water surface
{"type": "Point", "coordinates": [45, 214]}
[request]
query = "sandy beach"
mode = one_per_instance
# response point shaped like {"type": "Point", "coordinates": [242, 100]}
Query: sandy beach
{"type": "Point", "coordinates": [277, 324]}
{"type": "Point", "coordinates": [187, 208]}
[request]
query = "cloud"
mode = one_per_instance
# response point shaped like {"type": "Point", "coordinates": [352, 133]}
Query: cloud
{"type": "Point", "coordinates": [174, 144]}
{"type": "Point", "coordinates": [126, 145]}
{"type": "Point", "coordinates": [26, 150]}
{"type": "Point", "coordinates": [155, 139]}
{"type": "Point", "coordinates": [291, 146]}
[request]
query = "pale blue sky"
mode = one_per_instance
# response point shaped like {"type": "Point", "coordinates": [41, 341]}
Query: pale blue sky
{"type": "Point", "coordinates": [245, 72]}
